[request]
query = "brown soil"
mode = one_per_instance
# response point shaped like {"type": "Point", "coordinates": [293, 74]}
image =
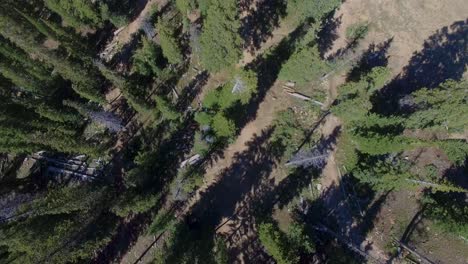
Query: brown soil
{"type": "Point", "coordinates": [124, 35]}
{"type": "Point", "coordinates": [51, 44]}
{"type": "Point", "coordinates": [409, 23]}
{"type": "Point", "coordinates": [439, 246]}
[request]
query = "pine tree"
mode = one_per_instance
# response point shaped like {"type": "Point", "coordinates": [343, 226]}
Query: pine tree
{"type": "Point", "coordinates": [169, 44]}
{"type": "Point", "coordinates": [24, 35]}
{"type": "Point", "coordinates": [304, 66]}
{"type": "Point", "coordinates": [147, 59]}
{"type": "Point", "coordinates": [220, 39]}
{"type": "Point", "coordinates": [77, 13]}
{"type": "Point", "coordinates": [441, 108]}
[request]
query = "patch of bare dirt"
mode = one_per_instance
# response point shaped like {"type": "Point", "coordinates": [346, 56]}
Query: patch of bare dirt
{"type": "Point", "coordinates": [395, 214]}
{"type": "Point", "coordinates": [277, 35]}
{"type": "Point", "coordinates": [51, 44]}
{"type": "Point", "coordinates": [272, 103]}
{"type": "Point", "coordinates": [429, 156]}
{"type": "Point", "coordinates": [433, 243]}
{"type": "Point", "coordinates": [408, 22]}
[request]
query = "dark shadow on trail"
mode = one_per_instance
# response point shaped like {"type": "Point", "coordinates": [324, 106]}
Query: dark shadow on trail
{"type": "Point", "coordinates": [366, 222]}
{"type": "Point", "coordinates": [257, 27]}
{"type": "Point", "coordinates": [328, 34]}
{"type": "Point", "coordinates": [444, 56]}
{"type": "Point", "coordinates": [374, 56]}
{"type": "Point", "coordinates": [457, 175]}
{"type": "Point", "coordinates": [230, 195]}
{"type": "Point", "coordinates": [245, 174]}
{"type": "Point", "coordinates": [267, 68]}
{"type": "Point", "coordinates": [191, 91]}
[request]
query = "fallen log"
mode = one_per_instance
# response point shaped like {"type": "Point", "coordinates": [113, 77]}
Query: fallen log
{"type": "Point", "coordinates": [304, 97]}
{"type": "Point", "coordinates": [421, 258]}
{"type": "Point", "coordinates": [348, 243]}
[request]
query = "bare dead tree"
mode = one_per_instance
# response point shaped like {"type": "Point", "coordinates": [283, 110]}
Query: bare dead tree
{"type": "Point", "coordinates": [316, 157]}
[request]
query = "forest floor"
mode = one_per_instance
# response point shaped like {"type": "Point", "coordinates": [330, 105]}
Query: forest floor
{"type": "Point", "coordinates": [412, 29]}
{"type": "Point", "coordinates": [406, 25]}
{"type": "Point", "coordinates": [273, 102]}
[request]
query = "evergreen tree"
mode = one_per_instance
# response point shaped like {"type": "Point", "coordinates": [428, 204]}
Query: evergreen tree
{"type": "Point", "coordinates": [169, 44]}
{"type": "Point", "coordinates": [147, 59]}
{"type": "Point", "coordinates": [25, 35]}
{"type": "Point", "coordinates": [220, 39]}
{"type": "Point", "coordinates": [77, 13]}
{"type": "Point", "coordinates": [185, 6]}
{"type": "Point", "coordinates": [441, 108]}
{"type": "Point", "coordinates": [17, 56]}
{"type": "Point", "coordinates": [166, 109]}
{"type": "Point", "coordinates": [304, 66]}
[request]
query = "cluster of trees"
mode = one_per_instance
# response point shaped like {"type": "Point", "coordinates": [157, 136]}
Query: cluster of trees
{"type": "Point", "coordinates": [43, 65]}
{"type": "Point", "coordinates": [286, 248]}
{"type": "Point", "coordinates": [373, 140]}
{"type": "Point", "coordinates": [81, 13]}
{"type": "Point", "coordinates": [61, 225]}
{"type": "Point", "coordinates": [372, 144]}
{"type": "Point", "coordinates": [51, 88]}
{"type": "Point", "coordinates": [219, 105]}
{"type": "Point", "coordinates": [220, 38]}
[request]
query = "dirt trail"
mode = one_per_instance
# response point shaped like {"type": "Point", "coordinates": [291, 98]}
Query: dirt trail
{"type": "Point", "coordinates": [265, 116]}
{"type": "Point", "coordinates": [331, 190]}
{"type": "Point", "coordinates": [124, 35]}
{"type": "Point", "coordinates": [277, 35]}
{"type": "Point", "coordinates": [406, 23]}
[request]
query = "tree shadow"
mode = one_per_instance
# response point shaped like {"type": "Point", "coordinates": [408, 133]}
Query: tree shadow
{"type": "Point", "coordinates": [125, 236]}
{"type": "Point", "coordinates": [457, 175]}
{"type": "Point", "coordinates": [158, 170]}
{"type": "Point", "coordinates": [366, 221]}
{"type": "Point", "coordinates": [374, 56]}
{"type": "Point", "coordinates": [191, 91]}
{"type": "Point", "coordinates": [443, 57]}
{"type": "Point", "coordinates": [328, 34]}
{"type": "Point", "coordinates": [267, 68]}
{"type": "Point", "coordinates": [257, 27]}
{"type": "Point", "coordinates": [236, 186]}
{"type": "Point", "coordinates": [244, 175]}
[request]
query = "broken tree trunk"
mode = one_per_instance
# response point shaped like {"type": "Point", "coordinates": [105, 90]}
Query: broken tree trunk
{"type": "Point", "coordinates": [304, 97]}
{"type": "Point", "coordinates": [421, 258]}
{"type": "Point", "coordinates": [190, 161]}
{"type": "Point", "coordinates": [437, 186]}
{"type": "Point", "coordinates": [307, 161]}
{"type": "Point", "coordinates": [346, 242]}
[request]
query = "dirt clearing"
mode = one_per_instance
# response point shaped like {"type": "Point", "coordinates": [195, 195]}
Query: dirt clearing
{"type": "Point", "coordinates": [408, 22]}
